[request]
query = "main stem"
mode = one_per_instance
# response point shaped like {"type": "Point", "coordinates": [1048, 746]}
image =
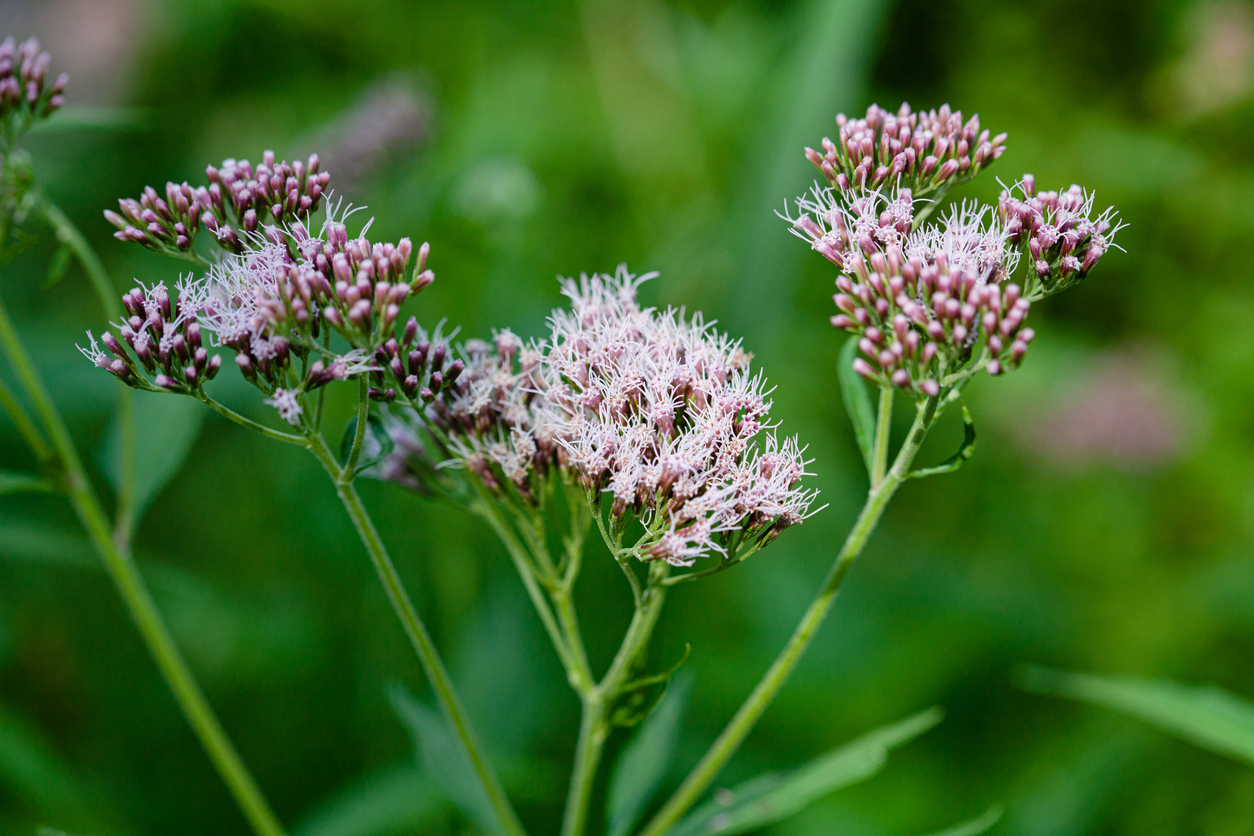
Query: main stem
{"type": "Point", "coordinates": [747, 716]}
{"type": "Point", "coordinates": [594, 728]}
{"type": "Point", "coordinates": [418, 635]}
{"type": "Point", "coordinates": [135, 595]}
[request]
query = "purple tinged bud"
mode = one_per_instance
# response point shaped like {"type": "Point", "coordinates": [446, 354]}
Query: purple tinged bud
{"type": "Point", "coordinates": [454, 369]}
{"type": "Point", "coordinates": [901, 378]}
{"type": "Point", "coordinates": [930, 388]}
{"type": "Point", "coordinates": [863, 368]}
{"type": "Point", "coordinates": [165, 382]}
{"type": "Point", "coordinates": [111, 343]}
{"type": "Point", "coordinates": [994, 367]}
{"type": "Point", "coordinates": [411, 331]}
{"type": "Point", "coordinates": [422, 280]}
{"type": "Point", "coordinates": [427, 395]}
{"type": "Point", "coordinates": [947, 170]}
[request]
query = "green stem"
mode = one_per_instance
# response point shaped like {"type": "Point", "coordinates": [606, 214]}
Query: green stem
{"type": "Point", "coordinates": [124, 517]}
{"type": "Point", "coordinates": [25, 427]}
{"type": "Point", "coordinates": [883, 430]}
{"type": "Point", "coordinates": [594, 727]}
{"type": "Point", "coordinates": [138, 601]}
{"type": "Point", "coordinates": [593, 730]}
{"type": "Point", "coordinates": [747, 716]}
{"type": "Point", "coordinates": [248, 422]}
{"type": "Point", "coordinates": [441, 683]}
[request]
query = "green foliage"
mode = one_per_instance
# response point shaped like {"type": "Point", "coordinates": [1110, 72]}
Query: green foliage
{"type": "Point", "coordinates": [1205, 715]}
{"type": "Point", "coordinates": [443, 760]}
{"type": "Point", "coordinates": [166, 429]}
{"type": "Point", "coordinates": [11, 482]}
{"type": "Point", "coordinates": [394, 801]}
{"type": "Point", "coordinates": [774, 797]}
{"type": "Point", "coordinates": [853, 389]}
{"type": "Point", "coordinates": [645, 761]}
{"type": "Point", "coordinates": [965, 451]}
{"type": "Point", "coordinates": [975, 826]}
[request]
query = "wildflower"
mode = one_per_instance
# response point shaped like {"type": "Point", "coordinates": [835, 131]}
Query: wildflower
{"type": "Point", "coordinates": [1061, 235]}
{"type": "Point", "coordinates": [25, 94]}
{"type": "Point", "coordinates": [662, 412]}
{"type": "Point", "coordinates": [235, 207]}
{"type": "Point", "coordinates": [925, 299]}
{"type": "Point", "coordinates": [925, 152]}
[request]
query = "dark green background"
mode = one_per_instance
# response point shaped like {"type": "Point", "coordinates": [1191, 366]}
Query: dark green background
{"type": "Point", "coordinates": [562, 138]}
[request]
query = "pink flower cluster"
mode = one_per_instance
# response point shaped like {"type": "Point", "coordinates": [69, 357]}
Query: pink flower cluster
{"type": "Point", "coordinates": [23, 82]}
{"type": "Point", "coordinates": [922, 151]}
{"type": "Point", "coordinates": [663, 412]}
{"type": "Point", "coordinates": [234, 206]}
{"type": "Point", "coordinates": [1063, 239]}
{"type": "Point", "coordinates": [655, 408]}
{"type": "Point", "coordinates": [924, 299]}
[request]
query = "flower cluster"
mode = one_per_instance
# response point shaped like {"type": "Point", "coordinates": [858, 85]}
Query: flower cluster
{"type": "Point", "coordinates": [238, 201]}
{"type": "Point", "coordinates": [925, 299]}
{"type": "Point", "coordinates": [1063, 238]}
{"type": "Point", "coordinates": [655, 408]}
{"type": "Point", "coordinates": [925, 152]}
{"type": "Point", "coordinates": [415, 364]}
{"type": "Point", "coordinates": [165, 337]}
{"type": "Point", "coordinates": [271, 302]}
{"type": "Point", "coordinates": [25, 95]}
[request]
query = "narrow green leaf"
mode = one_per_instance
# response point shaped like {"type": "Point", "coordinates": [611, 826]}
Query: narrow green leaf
{"type": "Point", "coordinates": [72, 118]}
{"type": "Point", "coordinates": [975, 826]}
{"type": "Point", "coordinates": [26, 540]}
{"type": "Point", "coordinates": [1202, 714]}
{"type": "Point", "coordinates": [857, 401]}
{"type": "Point", "coordinates": [771, 798]}
{"type": "Point", "coordinates": [58, 265]}
{"type": "Point", "coordinates": [166, 429]}
{"type": "Point", "coordinates": [644, 761]}
{"type": "Point", "coordinates": [31, 770]}
{"type": "Point", "coordinates": [398, 800]}
{"type": "Point", "coordinates": [444, 760]}
{"type": "Point", "coordinates": [14, 482]}
{"type": "Point", "coordinates": [965, 451]}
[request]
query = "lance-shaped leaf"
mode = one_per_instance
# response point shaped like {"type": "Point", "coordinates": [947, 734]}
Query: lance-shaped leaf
{"type": "Point", "coordinates": [965, 451]}
{"type": "Point", "coordinates": [645, 761]}
{"type": "Point", "coordinates": [166, 429]}
{"type": "Point", "coordinates": [774, 797]}
{"type": "Point", "coordinates": [857, 401]}
{"type": "Point", "coordinates": [372, 452]}
{"type": "Point", "coordinates": [398, 800]}
{"type": "Point", "coordinates": [444, 760]}
{"type": "Point", "coordinates": [1202, 714]}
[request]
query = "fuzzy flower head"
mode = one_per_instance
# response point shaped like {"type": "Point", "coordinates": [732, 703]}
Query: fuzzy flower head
{"type": "Point", "coordinates": [925, 152]}
{"type": "Point", "coordinates": [27, 94]}
{"type": "Point", "coordinates": [929, 299]}
{"type": "Point", "coordinates": [663, 412]}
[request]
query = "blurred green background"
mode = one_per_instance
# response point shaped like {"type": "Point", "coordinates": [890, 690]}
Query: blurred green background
{"type": "Point", "coordinates": [1105, 523]}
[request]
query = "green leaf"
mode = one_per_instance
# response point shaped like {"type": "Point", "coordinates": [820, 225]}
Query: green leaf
{"type": "Point", "coordinates": [14, 482]}
{"type": "Point", "coordinates": [857, 401]}
{"type": "Point", "coordinates": [57, 266]}
{"type": "Point", "coordinates": [96, 118]}
{"type": "Point", "coordinates": [444, 759]}
{"type": "Point", "coordinates": [31, 770]}
{"type": "Point", "coordinates": [965, 451]}
{"type": "Point", "coordinates": [166, 429]}
{"type": "Point", "coordinates": [375, 430]}
{"type": "Point", "coordinates": [774, 797]}
{"type": "Point", "coordinates": [397, 800]}
{"type": "Point", "coordinates": [644, 761]}
{"type": "Point", "coordinates": [975, 826]}
{"type": "Point", "coordinates": [1202, 714]}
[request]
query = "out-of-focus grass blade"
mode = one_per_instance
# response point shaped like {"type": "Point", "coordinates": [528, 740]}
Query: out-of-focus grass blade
{"type": "Point", "coordinates": [644, 762]}
{"type": "Point", "coordinates": [394, 801]}
{"type": "Point", "coordinates": [71, 118]}
{"type": "Point", "coordinates": [975, 826]}
{"type": "Point", "coordinates": [443, 759]}
{"type": "Point", "coordinates": [14, 482]}
{"type": "Point", "coordinates": [857, 400]}
{"type": "Point", "coordinates": [166, 428]}
{"type": "Point", "coordinates": [771, 798]}
{"type": "Point", "coordinates": [1202, 714]}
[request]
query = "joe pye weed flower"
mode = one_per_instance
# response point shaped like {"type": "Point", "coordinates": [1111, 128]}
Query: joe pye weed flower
{"type": "Point", "coordinates": [647, 423]}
